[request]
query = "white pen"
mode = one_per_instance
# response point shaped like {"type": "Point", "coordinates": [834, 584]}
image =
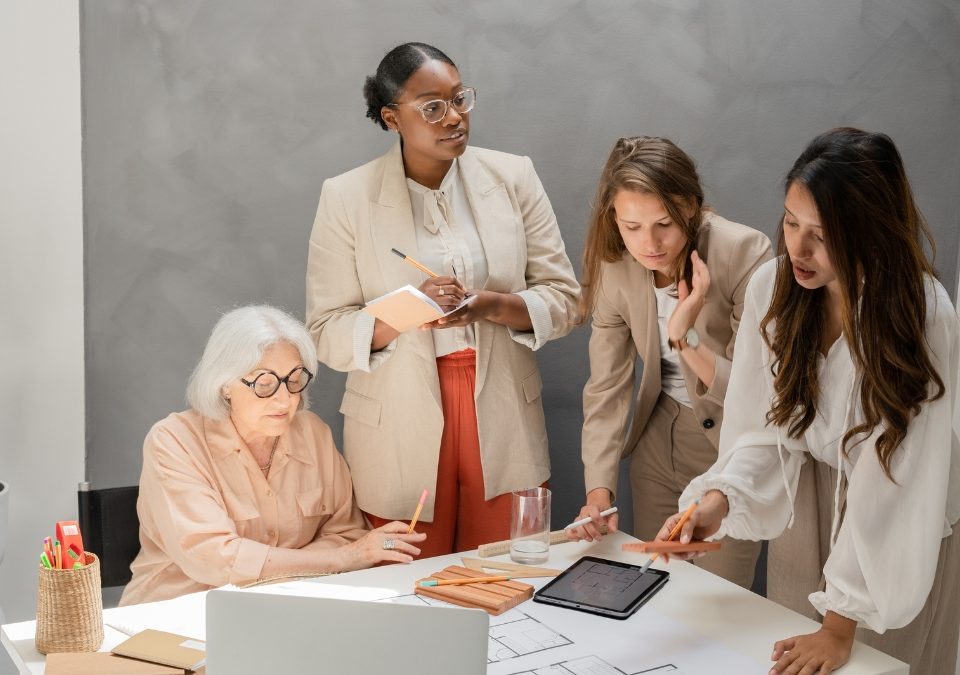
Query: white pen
{"type": "Point", "coordinates": [584, 521]}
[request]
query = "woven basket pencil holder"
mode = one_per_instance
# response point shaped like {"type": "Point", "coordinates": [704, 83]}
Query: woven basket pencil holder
{"type": "Point", "coordinates": [70, 609]}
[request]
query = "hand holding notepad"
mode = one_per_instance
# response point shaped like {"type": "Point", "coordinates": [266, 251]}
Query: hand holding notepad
{"type": "Point", "coordinates": [408, 307]}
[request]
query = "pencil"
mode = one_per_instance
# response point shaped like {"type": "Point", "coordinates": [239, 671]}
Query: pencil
{"type": "Point", "coordinates": [673, 533]}
{"type": "Point", "coordinates": [422, 268]}
{"type": "Point", "coordinates": [470, 580]}
{"type": "Point", "coordinates": [416, 514]}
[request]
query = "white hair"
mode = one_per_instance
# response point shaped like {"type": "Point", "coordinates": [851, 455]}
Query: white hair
{"type": "Point", "coordinates": [235, 347]}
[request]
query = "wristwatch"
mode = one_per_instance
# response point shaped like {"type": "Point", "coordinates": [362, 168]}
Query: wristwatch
{"type": "Point", "coordinates": [690, 339]}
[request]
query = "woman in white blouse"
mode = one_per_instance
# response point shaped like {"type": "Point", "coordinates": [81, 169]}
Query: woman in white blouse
{"type": "Point", "coordinates": [847, 362]}
{"type": "Point", "coordinates": [455, 409]}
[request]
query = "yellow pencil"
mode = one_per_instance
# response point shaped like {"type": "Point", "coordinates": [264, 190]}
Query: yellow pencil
{"type": "Point", "coordinates": [673, 533]}
{"type": "Point", "coordinates": [416, 514]}
{"type": "Point", "coordinates": [422, 268]}
{"type": "Point", "coordinates": [470, 580]}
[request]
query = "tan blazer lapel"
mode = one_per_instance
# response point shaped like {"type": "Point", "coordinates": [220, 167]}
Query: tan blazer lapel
{"type": "Point", "coordinates": [648, 348]}
{"type": "Point", "coordinates": [392, 226]}
{"type": "Point", "coordinates": [496, 220]}
{"type": "Point", "coordinates": [391, 223]}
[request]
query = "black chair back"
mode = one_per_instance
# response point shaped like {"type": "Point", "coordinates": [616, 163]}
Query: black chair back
{"type": "Point", "coordinates": [111, 529]}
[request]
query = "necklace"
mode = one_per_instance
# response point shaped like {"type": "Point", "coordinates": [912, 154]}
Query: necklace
{"type": "Point", "coordinates": [273, 451]}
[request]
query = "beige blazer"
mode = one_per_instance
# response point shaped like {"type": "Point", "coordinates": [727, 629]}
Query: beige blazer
{"type": "Point", "coordinates": [625, 327]}
{"type": "Point", "coordinates": [392, 414]}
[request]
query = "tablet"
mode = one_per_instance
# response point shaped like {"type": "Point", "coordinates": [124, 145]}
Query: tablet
{"type": "Point", "coordinates": [604, 587]}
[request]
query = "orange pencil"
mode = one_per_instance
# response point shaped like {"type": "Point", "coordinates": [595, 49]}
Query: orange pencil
{"type": "Point", "coordinates": [416, 514]}
{"type": "Point", "coordinates": [57, 555]}
{"type": "Point", "coordinates": [673, 533]}
{"type": "Point", "coordinates": [469, 580]}
{"type": "Point", "coordinates": [422, 268]}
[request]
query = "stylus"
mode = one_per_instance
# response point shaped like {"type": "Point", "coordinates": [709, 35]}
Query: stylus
{"type": "Point", "coordinates": [584, 521]}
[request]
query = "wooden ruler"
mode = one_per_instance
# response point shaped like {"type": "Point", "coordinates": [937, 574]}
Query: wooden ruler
{"type": "Point", "coordinates": [501, 547]}
{"type": "Point", "coordinates": [516, 571]}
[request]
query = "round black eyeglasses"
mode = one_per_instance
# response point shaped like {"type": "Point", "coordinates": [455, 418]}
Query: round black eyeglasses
{"type": "Point", "coordinates": [266, 384]}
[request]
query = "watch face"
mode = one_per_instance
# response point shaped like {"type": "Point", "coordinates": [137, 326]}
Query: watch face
{"type": "Point", "coordinates": [692, 337]}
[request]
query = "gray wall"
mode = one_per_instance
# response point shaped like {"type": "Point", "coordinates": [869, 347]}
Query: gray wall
{"type": "Point", "coordinates": [210, 125]}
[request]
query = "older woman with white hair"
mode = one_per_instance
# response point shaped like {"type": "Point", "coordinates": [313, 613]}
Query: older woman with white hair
{"type": "Point", "coordinates": [247, 484]}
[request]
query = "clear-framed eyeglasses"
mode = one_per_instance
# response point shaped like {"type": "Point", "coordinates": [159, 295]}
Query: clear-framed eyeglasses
{"type": "Point", "coordinates": [435, 110]}
{"type": "Point", "coordinates": [266, 384]}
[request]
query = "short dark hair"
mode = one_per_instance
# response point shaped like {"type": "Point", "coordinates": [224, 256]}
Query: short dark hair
{"type": "Point", "coordinates": [393, 72]}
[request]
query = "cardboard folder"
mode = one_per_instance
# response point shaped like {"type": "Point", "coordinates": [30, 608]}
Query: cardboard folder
{"type": "Point", "coordinates": [102, 663]}
{"type": "Point", "coordinates": [168, 649]}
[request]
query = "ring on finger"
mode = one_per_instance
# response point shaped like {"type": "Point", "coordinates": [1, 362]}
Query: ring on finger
{"type": "Point", "coordinates": [441, 290]}
{"type": "Point", "coordinates": [389, 544]}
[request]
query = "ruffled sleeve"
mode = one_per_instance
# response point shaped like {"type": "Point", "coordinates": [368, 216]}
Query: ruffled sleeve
{"type": "Point", "coordinates": [881, 568]}
{"type": "Point", "coordinates": [757, 468]}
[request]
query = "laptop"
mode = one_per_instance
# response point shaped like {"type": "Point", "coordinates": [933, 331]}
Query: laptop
{"type": "Point", "coordinates": [252, 633]}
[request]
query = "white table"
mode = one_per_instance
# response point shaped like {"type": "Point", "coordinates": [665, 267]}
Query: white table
{"type": "Point", "coordinates": [737, 619]}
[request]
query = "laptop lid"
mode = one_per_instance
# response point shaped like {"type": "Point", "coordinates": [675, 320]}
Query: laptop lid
{"type": "Point", "coordinates": [255, 633]}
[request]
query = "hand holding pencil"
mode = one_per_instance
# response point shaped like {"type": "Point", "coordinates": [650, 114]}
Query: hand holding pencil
{"type": "Point", "coordinates": [700, 520]}
{"type": "Point", "coordinates": [446, 291]}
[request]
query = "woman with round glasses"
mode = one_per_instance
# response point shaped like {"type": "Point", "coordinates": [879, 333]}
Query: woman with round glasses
{"type": "Point", "coordinates": [455, 409]}
{"type": "Point", "coordinates": [247, 484]}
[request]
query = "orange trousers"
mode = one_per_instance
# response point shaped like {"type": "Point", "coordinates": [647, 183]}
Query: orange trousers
{"type": "Point", "coordinates": [462, 518]}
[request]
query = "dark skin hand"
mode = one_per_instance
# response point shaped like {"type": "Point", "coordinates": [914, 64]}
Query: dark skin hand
{"type": "Point", "coordinates": [506, 309]}
{"type": "Point", "coordinates": [453, 294]}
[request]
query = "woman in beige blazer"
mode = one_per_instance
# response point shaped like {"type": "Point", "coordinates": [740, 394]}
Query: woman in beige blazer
{"type": "Point", "coordinates": [455, 409]}
{"type": "Point", "coordinates": [651, 294]}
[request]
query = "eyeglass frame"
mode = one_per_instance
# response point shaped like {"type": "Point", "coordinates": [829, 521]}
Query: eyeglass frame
{"type": "Point", "coordinates": [447, 104]}
{"type": "Point", "coordinates": [285, 381]}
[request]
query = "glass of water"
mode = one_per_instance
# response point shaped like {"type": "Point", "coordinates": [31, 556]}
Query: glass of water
{"type": "Point", "coordinates": [530, 526]}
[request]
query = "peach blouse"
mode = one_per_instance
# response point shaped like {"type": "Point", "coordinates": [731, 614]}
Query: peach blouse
{"type": "Point", "coordinates": [209, 516]}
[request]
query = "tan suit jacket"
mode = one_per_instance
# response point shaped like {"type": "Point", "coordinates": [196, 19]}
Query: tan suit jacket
{"type": "Point", "coordinates": [625, 327]}
{"type": "Point", "coordinates": [393, 418]}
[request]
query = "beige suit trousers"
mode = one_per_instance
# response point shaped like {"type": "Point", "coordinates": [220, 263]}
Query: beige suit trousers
{"type": "Point", "coordinates": [671, 452]}
{"type": "Point", "coordinates": [794, 571]}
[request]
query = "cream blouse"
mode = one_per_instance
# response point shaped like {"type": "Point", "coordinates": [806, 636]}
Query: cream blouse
{"type": "Point", "coordinates": [209, 516]}
{"type": "Point", "coordinates": [884, 557]}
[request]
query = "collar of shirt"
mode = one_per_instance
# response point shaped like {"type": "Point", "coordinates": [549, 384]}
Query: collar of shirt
{"type": "Point", "coordinates": [223, 439]}
{"type": "Point", "coordinates": [442, 197]}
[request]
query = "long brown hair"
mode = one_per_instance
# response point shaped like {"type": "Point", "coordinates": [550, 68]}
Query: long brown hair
{"type": "Point", "coordinates": [652, 166]}
{"type": "Point", "coordinates": [874, 234]}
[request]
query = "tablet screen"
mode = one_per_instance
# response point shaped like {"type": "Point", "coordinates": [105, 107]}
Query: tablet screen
{"type": "Point", "coordinates": [602, 584]}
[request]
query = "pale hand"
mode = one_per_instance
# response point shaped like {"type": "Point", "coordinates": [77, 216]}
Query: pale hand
{"type": "Point", "coordinates": [703, 522]}
{"type": "Point", "coordinates": [368, 550]}
{"type": "Point", "coordinates": [598, 500]}
{"type": "Point", "coordinates": [690, 302]}
{"type": "Point", "coordinates": [816, 653]}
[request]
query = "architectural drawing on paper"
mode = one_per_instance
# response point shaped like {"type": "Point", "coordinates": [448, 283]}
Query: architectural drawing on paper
{"type": "Point", "coordinates": [512, 634]}
{"type": "Point", "coordinates": [593, 665]}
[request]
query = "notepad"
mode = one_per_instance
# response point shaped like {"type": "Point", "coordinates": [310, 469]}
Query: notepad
{"type": "Point", "coordinates": [408, 307]}
{"type": "Point", "coordinates": [168, 649]}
